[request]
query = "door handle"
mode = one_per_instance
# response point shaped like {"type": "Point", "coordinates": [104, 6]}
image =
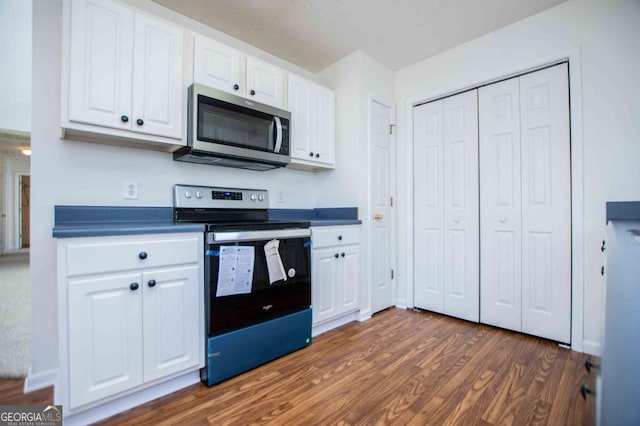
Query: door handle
{"type": "Point", "coordinates": [278, 134]}
{"type": "Point", "coordinates": [377, 216]}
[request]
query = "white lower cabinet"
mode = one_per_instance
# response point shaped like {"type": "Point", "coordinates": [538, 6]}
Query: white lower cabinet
{"type": "Point", "coordinates": [124, 329]}
{"type": "Point", "coordinates": [105, 337]}
{"type": "Point", "coordinates": [335, 272]}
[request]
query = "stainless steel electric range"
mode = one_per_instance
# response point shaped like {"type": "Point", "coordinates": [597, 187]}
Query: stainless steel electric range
{"type": "Point", "coordinates": [257, 278]}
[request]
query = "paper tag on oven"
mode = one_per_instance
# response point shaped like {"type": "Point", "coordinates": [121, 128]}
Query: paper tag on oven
{"type": "Point", "coordinates": [274, 261]}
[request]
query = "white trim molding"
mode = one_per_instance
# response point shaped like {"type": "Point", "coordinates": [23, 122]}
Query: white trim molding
{"type": "Point", "coordinates": [40, 380]}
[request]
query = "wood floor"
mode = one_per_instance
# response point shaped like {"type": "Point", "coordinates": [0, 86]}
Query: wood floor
{"type": "Point", "coordinates": [401, 367]}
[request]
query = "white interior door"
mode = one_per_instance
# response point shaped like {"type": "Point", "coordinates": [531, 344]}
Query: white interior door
{"type": "Point", "coordinates": [381, 190]}
{"type": "Point", "coordinates": [428, 206]}
{"type": "Point", "coordinates": [546, 203]}
{"type": "Point", "coordinates": [461, 222]}
{"type": "Point", "coordinates": [500, 205]}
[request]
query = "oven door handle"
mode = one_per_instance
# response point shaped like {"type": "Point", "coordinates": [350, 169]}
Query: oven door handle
{"type": "Point", "coordinates": [264, 235]}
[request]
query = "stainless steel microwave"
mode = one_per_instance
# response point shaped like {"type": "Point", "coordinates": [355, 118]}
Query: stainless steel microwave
{"type": "Point", "coordinates": [227, 130]}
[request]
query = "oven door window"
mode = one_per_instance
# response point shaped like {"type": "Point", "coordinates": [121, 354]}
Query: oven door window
{"type": "Point", "coordinates": [266, 300]}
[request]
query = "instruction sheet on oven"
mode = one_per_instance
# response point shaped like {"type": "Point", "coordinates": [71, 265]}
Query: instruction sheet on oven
{"type": "Point", "coordinates": [274, 261]}
{"type": "Point", "coordinates": [235, 275]}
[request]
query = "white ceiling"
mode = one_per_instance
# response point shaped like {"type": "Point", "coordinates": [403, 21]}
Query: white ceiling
{"type": "Point", "coordinates": [12, 141]}
{"type": "Point", "coordinates": [316, 33]}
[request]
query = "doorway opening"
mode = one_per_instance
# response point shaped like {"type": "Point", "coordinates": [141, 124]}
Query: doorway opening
{"type": "Point", "coordinates": [24, 194]}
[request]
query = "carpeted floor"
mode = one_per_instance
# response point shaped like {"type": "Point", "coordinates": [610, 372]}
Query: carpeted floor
{"type": "Point", "coordinates": [15, 308]}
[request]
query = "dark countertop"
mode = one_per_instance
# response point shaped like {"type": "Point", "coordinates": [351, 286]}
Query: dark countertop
{"type": "Point", "coordinates": [92, 221]}
{"type": "Point", "coordinates": [623, 210]}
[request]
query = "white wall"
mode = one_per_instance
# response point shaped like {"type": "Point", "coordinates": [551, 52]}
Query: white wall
{"type": "Point", "coordinates": [355, 79]}
{"type": "Point", "coordinates": [13, 164]}
{"type": "Point", "coordinates": [603, 40]}
{"type": "Point", "coordinates": [3, 204]}
{"type": "Point", "coordinates": [78, 173]}
{"type": "Point", "coordinates": [15, 63]}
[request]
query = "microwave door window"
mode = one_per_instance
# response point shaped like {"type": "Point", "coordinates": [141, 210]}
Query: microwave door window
{"type": "Point", "coordinates": [224, 126]}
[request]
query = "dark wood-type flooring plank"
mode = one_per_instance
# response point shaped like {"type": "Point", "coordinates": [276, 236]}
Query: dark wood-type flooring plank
{"type": "Point", "coordinates": [401, 367]}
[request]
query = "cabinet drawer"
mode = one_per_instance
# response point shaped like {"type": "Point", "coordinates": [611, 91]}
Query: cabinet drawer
{"type": "Point", "coordinates": [110, 254]}
{"type": "Point", "coordinates": [335, 236]}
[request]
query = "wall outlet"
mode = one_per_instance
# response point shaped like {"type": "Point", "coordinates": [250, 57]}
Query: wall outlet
{"type": "Point", "coordinates": [130, 190]}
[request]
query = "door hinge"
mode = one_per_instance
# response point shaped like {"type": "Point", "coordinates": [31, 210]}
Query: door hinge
{"type": "Point", "coordinates": [391, 126]}
{"type": "Point", "coordinates": [392, 274]}
{"type": "Point", "coordinates": [391, 201]}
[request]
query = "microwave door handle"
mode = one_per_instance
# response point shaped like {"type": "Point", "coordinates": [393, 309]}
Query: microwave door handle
{"type": "Point", "coordinates": [278, 134]}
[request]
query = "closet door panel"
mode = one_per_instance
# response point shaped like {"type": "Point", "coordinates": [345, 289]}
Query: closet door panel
{"type": "Point", "coordinates": [461, 222]}
{"type": "Point", "coordinates": [428, 206]}
{"type": "Point", "coordinates": [500, 205]}
{"type": "Point", "coordinates": [546, 204]}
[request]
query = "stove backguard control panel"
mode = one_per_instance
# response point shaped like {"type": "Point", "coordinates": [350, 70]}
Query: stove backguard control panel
{"type": "Point", "coordinates": [210, 197]}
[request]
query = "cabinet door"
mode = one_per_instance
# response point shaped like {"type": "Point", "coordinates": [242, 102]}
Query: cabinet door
{"type": "Point", "coordinates": [300, 105]}
{"type": "Point", "coordinates": [500, 205]}
{"type": "Point", "coordinates": [324, 284]}
{"type": "Point", "coordinates": [105, 337]}
{"type": "Point", "coordinates": [218, 66]}
{"type": "Point", "coordinates": [264, 82]}
{"type": "Point", "coordinates": [324, 127]}
{"type": "Point", "coordinates": [428, 205]}
{"type": "Point", "coordinates": [349, 282]}
{"type": "Point", "coordinates": [100, 73]}
{"type": "Point", "coordinates": [172, 332]}
{"type": "Point", "coordinates": [157, 78]}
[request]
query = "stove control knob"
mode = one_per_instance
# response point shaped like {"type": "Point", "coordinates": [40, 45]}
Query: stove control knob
{"type": "Point", "coordinates": [261, 197]}
{"type": "Point", "coordinates": [187, 194]}
{"type": "Point", "coordinates": [253, 197]}
{"type": "Point", "coordinates": [199, 194]}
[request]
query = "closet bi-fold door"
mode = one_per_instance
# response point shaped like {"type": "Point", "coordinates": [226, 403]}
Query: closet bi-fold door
{"type": "Point", "coordinates": [525, 210]}
{"type": "Point", "coordinates": [446, 206]}
{"type": "Point", "coordinates": [546, 203]}
{"type": "Point", "coordinates": [500, 205]}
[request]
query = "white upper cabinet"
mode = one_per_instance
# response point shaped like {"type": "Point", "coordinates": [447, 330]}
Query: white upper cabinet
{"type": "Point", "coordinates": [264, 82]}
{"type": "Point", "coordinates": [101, 63]}
{"type": "Point", "coordinates": [157, 78]}
{"type": "Point", "coordinates": [124, 73]}
{"type": "Point", "coordinates": [225, 68]}
{"type": "Point", "coordinates": [312, 124]}
{"type": "Point", "coordinates": [217, 66]}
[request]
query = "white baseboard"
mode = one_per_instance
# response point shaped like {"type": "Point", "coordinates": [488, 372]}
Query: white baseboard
{"type": "Point", "coordinates": [132, 400]}
{"type": "Point", "coordinates": [41, 380]}
{"type": "Point", "coordinates": [335, 323]}
{"type": "Point", "coordinates": [364, 315]}
{"type": "Point", "coordinates": [592, 348]}
{"type": "Point", "coordinates": [402, 304]}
